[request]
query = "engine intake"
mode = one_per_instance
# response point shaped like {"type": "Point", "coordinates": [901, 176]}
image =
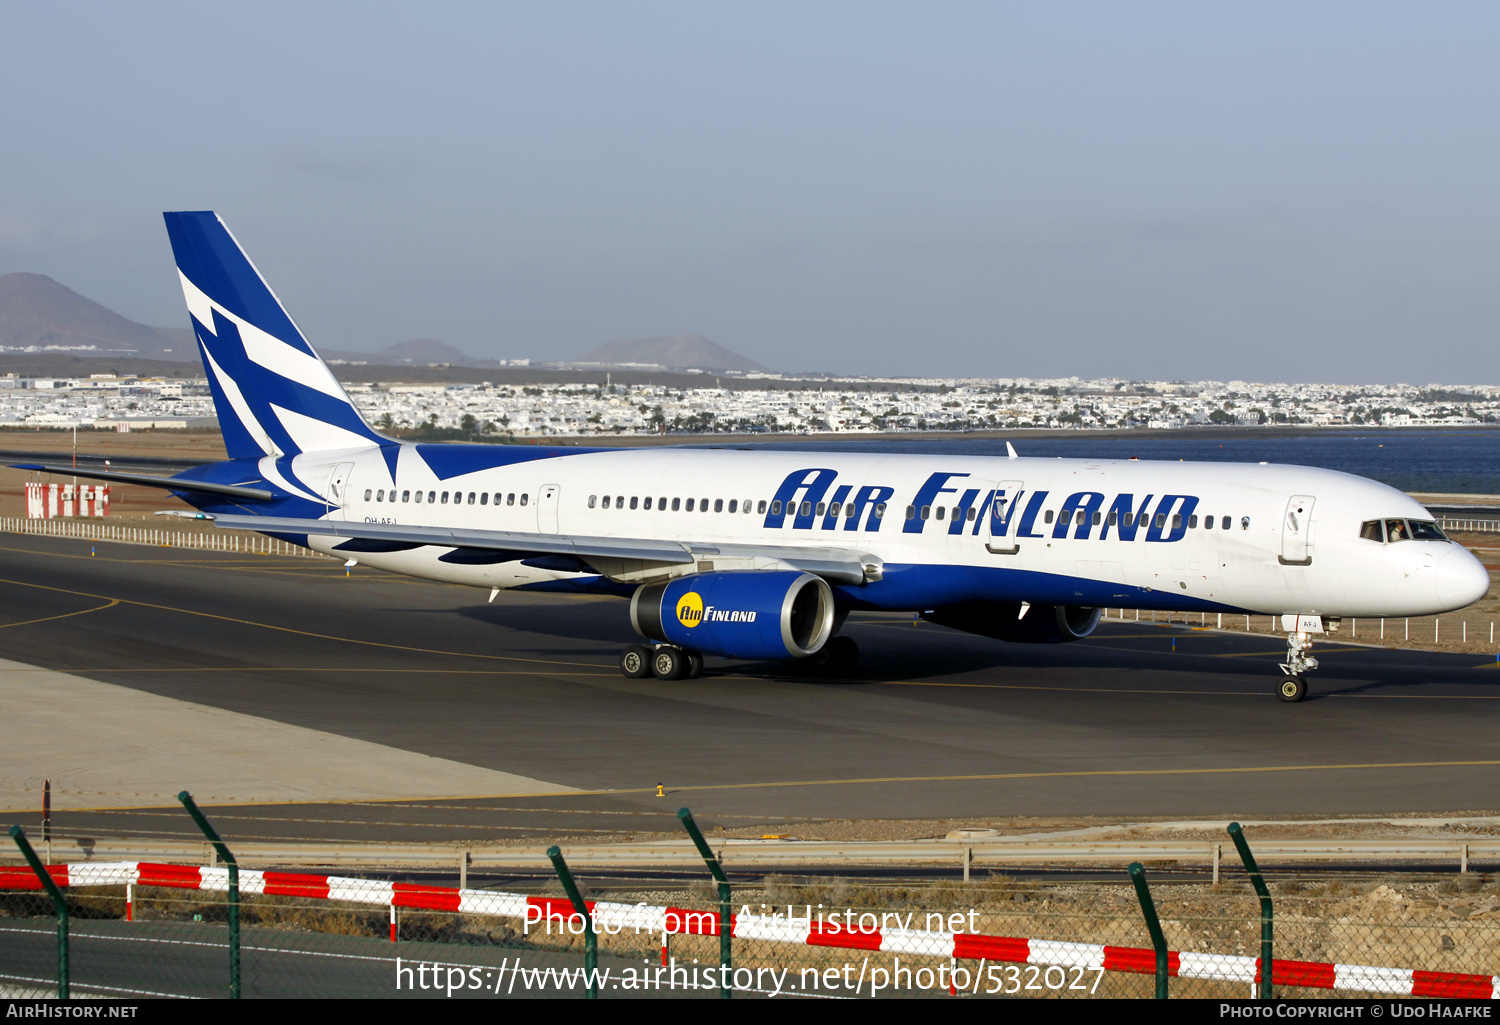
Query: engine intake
{"type": "Point", "coordinates": [738, 614]}
{"type": "Point", "coordinates": [1042, 624]}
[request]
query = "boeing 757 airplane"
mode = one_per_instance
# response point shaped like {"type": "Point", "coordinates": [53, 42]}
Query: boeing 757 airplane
{"type": "Point", "coordinates": [762, 554]}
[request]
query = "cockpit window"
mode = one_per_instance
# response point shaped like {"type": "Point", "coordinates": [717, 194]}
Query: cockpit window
{"type": "Point", "coordinates": [1426, 530]}
{"type": "Point", "coordinates": [1403, 530]}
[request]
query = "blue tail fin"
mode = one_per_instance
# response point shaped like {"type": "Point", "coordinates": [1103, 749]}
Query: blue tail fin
{"type": "Point", "coordinates": [273, 394]}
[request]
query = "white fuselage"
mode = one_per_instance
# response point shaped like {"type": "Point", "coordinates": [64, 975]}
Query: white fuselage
{"type": "Point", "coordinates": [1258, 538]}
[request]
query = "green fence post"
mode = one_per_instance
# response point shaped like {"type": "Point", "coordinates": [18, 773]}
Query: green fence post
{"type": "Point", "coordinates": [1153, 926]}
{"type": "Point", "coordinates": [58, 901]}
{"type": "Point", "coordinates": [590, 938]}
{"type": "Point", "coordinates": [726, 918]}
{"type": "Point", "coordinates": [234, 890]}
{"type": "Point", "coordinates": [1267, 932]}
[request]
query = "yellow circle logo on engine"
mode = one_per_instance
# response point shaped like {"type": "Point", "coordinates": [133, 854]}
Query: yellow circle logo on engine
{"type": "Point", "coordinates": [690, 609]}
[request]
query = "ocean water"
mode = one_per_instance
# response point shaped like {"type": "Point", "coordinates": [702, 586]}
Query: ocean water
{"type": "Point", "coordinates": [1448, 461]}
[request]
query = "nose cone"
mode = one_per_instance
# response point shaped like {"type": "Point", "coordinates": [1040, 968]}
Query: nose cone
{"type": "Point", "coordinates": [1461, 579]}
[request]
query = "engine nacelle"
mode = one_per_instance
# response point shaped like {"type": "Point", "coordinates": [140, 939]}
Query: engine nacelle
{"type": "Point", "coordinates": [1042, 624]}
{"type": "Point", "coordinates": [738, 614]}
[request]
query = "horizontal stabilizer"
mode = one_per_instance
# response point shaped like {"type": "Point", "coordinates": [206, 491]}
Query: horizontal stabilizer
{"type": "Point", "coordinates": [170, 483]}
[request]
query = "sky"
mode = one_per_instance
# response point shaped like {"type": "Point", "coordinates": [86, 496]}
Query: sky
{"type": "Point", "coordinates": [1268, 191]}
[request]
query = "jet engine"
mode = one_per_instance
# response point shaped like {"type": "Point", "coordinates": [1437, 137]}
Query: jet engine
{"type": "Point", "coordinates": [738, 614]}
{"type": "Point", "coordinates": [1008, 621]}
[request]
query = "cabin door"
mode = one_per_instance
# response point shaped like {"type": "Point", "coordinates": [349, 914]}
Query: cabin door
{"type": "Point", "coordinates": [546, 508]}
{"type": "Point", "coordinates": [1000, 520]}
{"type": "Point", "coordinates": [338, 489]}
{"type": "Point", "coordinates": [1296, 531]}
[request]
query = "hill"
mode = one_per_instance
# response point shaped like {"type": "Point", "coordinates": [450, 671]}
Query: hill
{"type": "Point", "coordinates": [38, 313]}
{"type": "Point", "coordinates": [419, 352]}
{"type": "Point", "coordinates": [686, 352]}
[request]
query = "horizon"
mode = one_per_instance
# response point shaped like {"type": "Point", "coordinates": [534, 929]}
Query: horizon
{"type": "Point", "coordinates": [1156, 193]}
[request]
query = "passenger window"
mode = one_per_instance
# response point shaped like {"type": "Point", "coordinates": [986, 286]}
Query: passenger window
{"type": "Point", "coordinates": [1083, 517]}
{"type": "Point", "coordinates": [648, 501]}
{"type": "Point", "coordinates": [1098, 516]}
{"type": "Point", "coordinates": [1192, 523]}
{"type": "Point", "coordinates": [926, 512]}
{"type": "Point", "coordinates": [880, 510]}
{"type": "Point", "coordinates": [445, 498]}
{"type": "Point", "coordinates": [367, 494]}
{"type": "Point", "coordinates": [689, 505]}
{"type": "Point", "coordinates": [524, 497]}
{"type": "Point", "coordinates": [1142, 520]}
{"type": "Point", "coordinates": [1224, 523]}
{"type": "Point", "coordinates": [471, 498]}
{"type": "Point", "coordinates": [850, 510]}
{"type": "Point", "coordinates": [1370, 531]}
{"type": "Point", "coordinates": [1161, 520]}
{"type": "Point", "coordinates": [677, 504]}
{"type": "Point", "coordinates": [1113, 517]}
{"type": "Point", "coordinates": [911, 512]}
{"type": "Point", "coordinates": [634, 500]}
{"type": "Point", "coordinates": [973, 514]}
{"type": "Point", "coordinates": [719, 505]}
{"type": "Point", "coordinates": [942, 511]}
{"type": "Point", "coordinates": [1176, 521]}
{"type": "Point", "coordinates": [1048, 517]}
{"type": "Point", "coordinates": [775, 508]}
{"type": "Point", "coordinates": [380, 495]}
{"type": "Point", "coordinates": [406, 496]}
{"type": "Point", "coordinates": [834, 507]}
{"type": "Point", "coordinates": [1208, 523]}
{"type": "Point", "coordinates": [604, 502]}
{"type": "Point", "coordinates": [761, 506]}
{"type": "Point", "coordinates": [510, 499]}
{"type": "Point", "coordinates": [822, 508]}
{"type": "Point", "coordinates": [419, 498]}
{"type": "Point", "coordinates": [1244, 523]}
{"type": "Point", "coordinates": [1395, 530]}
{"type": "Point", "coordinates": [484, 499]}
{"type": "Point", "coordinates": [497, 498]}
{"type": "Point", "coordinates": [734, 505]}
{"type": "Point", "coordinates": [619, 501]}
{"type": "Point", "coordinates": [806, 509]}
{"type": "Point", "coordinates": [593, 501]}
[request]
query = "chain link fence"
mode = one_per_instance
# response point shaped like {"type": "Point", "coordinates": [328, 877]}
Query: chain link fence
{"type": "Point", "coordinates": [809, 936]}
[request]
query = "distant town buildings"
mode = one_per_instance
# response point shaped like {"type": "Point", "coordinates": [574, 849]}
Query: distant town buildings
{"type": "Point", "coordinates": [760, 405]}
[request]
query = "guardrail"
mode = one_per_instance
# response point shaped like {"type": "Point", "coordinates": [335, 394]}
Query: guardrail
{"type": "Point", "coordinates": [212, 541]}
{"type": "Point", "coordinates": [1472, 526]}
{"type": "Point", "coordinates": [737, 853]}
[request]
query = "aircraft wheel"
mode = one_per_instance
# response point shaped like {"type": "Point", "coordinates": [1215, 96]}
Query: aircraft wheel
{"type": "Point", "coordinates": [635, 662]}
{"type": "Point", "coordinates": [1293, 688]}
{"type": "Point", "coordinates": [694, 665]}
{"type": "Point", "coordinates": [836, 658]}
{"type": "Point", "coordinates": [668, 663]}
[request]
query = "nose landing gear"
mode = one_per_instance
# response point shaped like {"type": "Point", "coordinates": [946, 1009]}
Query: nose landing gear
{"type": "Point", "coordinates": [1298, 661]}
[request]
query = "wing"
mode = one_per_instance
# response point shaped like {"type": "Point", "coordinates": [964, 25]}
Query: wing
{"type": "Point", "coordinates": [618, 558]}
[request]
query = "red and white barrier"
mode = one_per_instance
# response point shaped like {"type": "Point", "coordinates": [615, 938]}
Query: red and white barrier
{"type": "Point", "coordinates": [615, 918]}
{"type": "Point", "coordinates": [44, 501]}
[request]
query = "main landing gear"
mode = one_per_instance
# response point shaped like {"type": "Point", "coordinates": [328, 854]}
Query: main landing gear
{"type": "Point", "coordinates": [664, 662]}
{"type": "Point", "coordinates": [837, 658]}
{"type": "Point", "coordinates": [1298, 661]}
